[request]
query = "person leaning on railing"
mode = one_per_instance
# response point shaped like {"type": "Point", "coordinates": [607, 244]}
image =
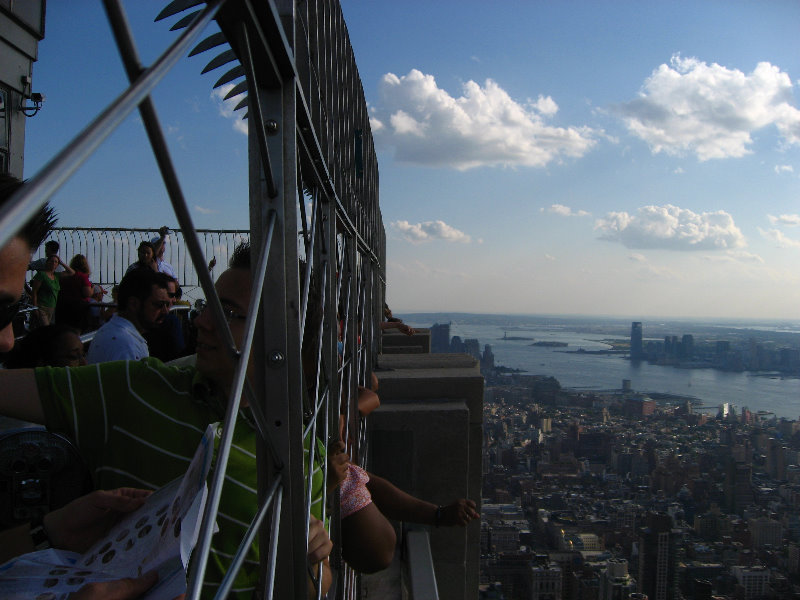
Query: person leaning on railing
{"type": "Point", "coordinates": [141, 421]}
{"type": "Point", "coordinates": [368, 501]}
{"type": "Point", "coordinates": [393, 322]}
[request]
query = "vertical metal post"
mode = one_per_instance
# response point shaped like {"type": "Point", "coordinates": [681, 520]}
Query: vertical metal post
{"type": "Point", "coordinates": [280, 384]}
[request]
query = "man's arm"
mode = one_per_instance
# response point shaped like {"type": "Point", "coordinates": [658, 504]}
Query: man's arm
{"type": "Point", "coordinates": [19, 395]}
{"type": "Point", "coordinates": [158, 244]}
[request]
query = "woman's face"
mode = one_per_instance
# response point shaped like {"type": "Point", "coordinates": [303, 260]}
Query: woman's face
{"type": "Point", "coordinates": [52, 263]}
{"type": "Point", "coordinates": [69, 351]}
{"type": "Point", "coordinates": [145, 255]}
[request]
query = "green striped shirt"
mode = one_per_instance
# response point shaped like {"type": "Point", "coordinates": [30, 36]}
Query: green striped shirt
{"type": "Point", "coordinates": [138, 423]}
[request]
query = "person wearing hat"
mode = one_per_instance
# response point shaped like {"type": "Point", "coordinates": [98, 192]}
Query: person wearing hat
{"type": "Point", "coordinates": [159, 246]}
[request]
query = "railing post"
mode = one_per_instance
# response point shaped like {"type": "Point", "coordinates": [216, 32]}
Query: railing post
{"type": "Point", "coordinates": [277, 355]}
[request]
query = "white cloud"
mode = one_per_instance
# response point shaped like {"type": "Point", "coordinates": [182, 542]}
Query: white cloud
{"type": "Point", "coordinates": [710, 110]}
{"type": "Point", "coordinates": [779, 238]}
{"type": "Point", "coordinates": [784, 169]}
{"type": "Point", "coordinates": [546, 106]}
{"type": "Point", "coordinates": [678, 171]}
{"type": "Point", "coordinates": [735, 257]}
{"type": "Point", "coordinates": [204, 210]}
{"type": "Point", "coordinates": [430, 230]}
{"type": "Point", "coordinates": [636, 257]}
{"type": "Point", "coordinates": [226, 107]}
{"type": "Point", "coordinates": [672, 228]}
{"type": "Point", "coordinates": [790, 220]}
{"type": "Point", "coordinates": [483, 127]}
{"type": "Point", "coordinates": [565, 211]}
{"type": "Point", "coordinates": [549, 257]}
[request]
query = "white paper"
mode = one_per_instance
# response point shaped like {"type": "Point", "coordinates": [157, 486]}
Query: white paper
{"type": "Point", "coordinates": [160, 535]}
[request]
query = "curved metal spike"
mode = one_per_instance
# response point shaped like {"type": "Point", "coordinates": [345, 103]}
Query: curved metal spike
{"type": "Point", "coordinates": [220, 60]}
{"type": "Point", "coordinates": [245, 116]}
{"type": "Point", "coordinates": [176, 6]}
{"type": "Point", "coordinates": [239, 88]}
{"type": "Point", "coordinates": [184, 22]}
{"type": "Point", "coordinates": [211, 41]}
{"type": "Point", "coordinates": [241, 104]}
{"type": "Point", "coordinates": [234, 73]}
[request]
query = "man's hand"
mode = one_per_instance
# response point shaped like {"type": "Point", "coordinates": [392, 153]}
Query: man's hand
{"type": "Point", "coordinates": [119, 589]}
{"type": "Point", "coordinates": [460, 512]}
{"type": "Point", "coordinates": [85, 520]}
{"type": "Point", "coordinates": [338, 461]}
{"type": "Point", "coordinates": [319, 544]}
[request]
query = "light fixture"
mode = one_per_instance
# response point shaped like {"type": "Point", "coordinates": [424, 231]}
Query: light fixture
{"type": "Point", "coordinates": [35, 97]}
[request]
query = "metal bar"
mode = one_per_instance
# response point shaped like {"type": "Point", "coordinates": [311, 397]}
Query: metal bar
{"type": "Point", "coordinates": [203, 546]}
{"type": "Point", "coordinates": [151, 230]}
{"type": "Point", "coordinates": [244, 546]}
{"type": "Point", "coordinates": [273, 548]}
{"type": "Point", "coordinates": [130, 59]}
{"type": "Point", "coordinates": [24, 203]}
{"type": "Point", "coordinates": [258, 115]}
{"type": "Point", "coordinates": [309, 268]}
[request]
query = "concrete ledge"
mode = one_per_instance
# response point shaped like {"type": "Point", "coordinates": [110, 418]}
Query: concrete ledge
{"type": "Point", "coordinates": [392, 338]}
{"type": "Point", "coordinates": [404, 350]}
{"type": "Point", "coordinates": [424, 449]}
{"type": "Point", "coordinates": [428, 361]}
{"type": "Point", "coordinates": [433, 385]}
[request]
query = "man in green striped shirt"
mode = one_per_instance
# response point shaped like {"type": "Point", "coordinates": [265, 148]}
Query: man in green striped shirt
{"type": "Point", "coordinates": [138, 424]}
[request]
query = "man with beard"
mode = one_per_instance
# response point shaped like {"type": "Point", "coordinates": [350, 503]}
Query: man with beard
{"type": "Point", "coordinates": [143, 305]}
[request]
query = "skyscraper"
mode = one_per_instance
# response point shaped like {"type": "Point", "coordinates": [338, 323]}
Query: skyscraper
{"type": "Point", "coordinates": [658, 561]}
{"type": "Point", "coordinates": [440, 337]}
{"type": "Point", "coordinates": [636, 341]}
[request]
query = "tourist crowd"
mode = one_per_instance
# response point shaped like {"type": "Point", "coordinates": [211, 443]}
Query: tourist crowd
{"type": "Point", "coordinates": [136, 420]}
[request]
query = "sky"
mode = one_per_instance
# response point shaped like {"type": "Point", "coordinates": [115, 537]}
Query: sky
{"type": "Point", "coordinates": [634, 159]}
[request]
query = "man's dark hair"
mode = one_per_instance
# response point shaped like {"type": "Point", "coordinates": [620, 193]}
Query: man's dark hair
{"type": "Point", "coordinates": [240, 259]}
{"type": "Point", "coordinates": [145, 244]}
{"type": "Point", "coordinates": [139, 284]}
{"type": "Point", "coordinates": [51, 245]}
{"type": "Point", "coordinates": [38, 348]}
{"type": "Point", "coordinates": [40, 225]}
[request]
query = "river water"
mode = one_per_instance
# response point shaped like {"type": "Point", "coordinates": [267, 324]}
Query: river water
{"type": "Point", "coordinates": [711, 387]}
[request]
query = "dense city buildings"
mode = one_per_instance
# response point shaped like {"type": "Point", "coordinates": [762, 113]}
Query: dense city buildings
{"type": "Point", "coordinates": [591, 495]}
{"type": "Point", "coordinates": [709, 352]}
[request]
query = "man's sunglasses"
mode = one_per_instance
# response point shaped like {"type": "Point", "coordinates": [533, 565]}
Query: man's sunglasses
{"type": "Point", "coordinates": [8, 312]}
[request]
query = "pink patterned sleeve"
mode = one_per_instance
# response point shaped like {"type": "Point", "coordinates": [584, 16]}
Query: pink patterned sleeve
{"type": "Point", "coordinates": [353, 494]}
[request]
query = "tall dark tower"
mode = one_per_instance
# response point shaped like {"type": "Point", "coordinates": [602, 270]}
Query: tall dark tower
{"type": "Point", "coordinates": [658, 560]}
{"type": "Point", "coordinates": [636, 341]}
{"type": "Point", "coordinates": [440, 337]}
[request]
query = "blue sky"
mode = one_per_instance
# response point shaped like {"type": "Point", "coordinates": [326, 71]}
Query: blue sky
{"type": "Point", "coordinates": [620, 158]}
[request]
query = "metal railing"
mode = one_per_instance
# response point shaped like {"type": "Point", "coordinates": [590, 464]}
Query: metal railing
{"type": "Point", "coordinates": [110, 251]}
{"type": "Point", "coordinates": [309, 142]}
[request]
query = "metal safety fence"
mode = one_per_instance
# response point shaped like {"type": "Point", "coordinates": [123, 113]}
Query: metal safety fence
{"type": "Point", "coordinates": [110, 251]}
{"type": "Point", "coordinates": [318, 250]}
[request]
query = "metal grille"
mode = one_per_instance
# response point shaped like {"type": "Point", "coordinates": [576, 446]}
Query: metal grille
{"type": "Point", "coordinates": [313, 197]}
{"type": "Point", "coordinates": [110, 251]}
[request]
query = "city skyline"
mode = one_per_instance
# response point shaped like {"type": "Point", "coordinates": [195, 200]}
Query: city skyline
{"type": "Point", "coordinates": [535, 158]}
